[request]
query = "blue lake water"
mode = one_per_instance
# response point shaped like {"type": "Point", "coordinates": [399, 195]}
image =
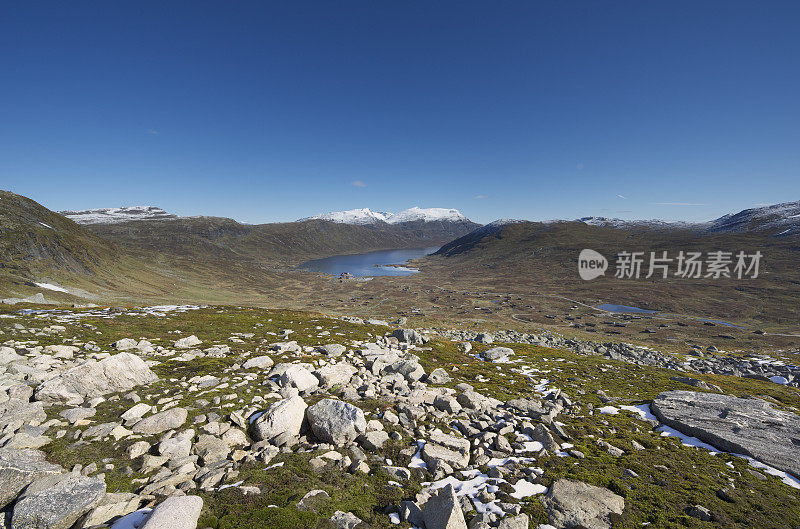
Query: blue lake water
{"type": "Point", "coordinates": [369, 264]}
{"type": "Point", "coordinates": [624, 309]}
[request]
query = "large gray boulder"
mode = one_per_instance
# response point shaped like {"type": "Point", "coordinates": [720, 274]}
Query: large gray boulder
{"type": "Point", "coordinates": [299, 377]}
{"type": "Point", "coordinates": [743, 426]}
{"type": "Point", "coordinates": [333, 349]}
{"type": "Point", "coordinates": [409, 336]}
{"type": "Point", "coordinates": [575, 504]}
{"type": "Point", "coordinates": [337, 422]}
{"type": "Point", "coordinates": [177, 512]}
{"type": "Point", "coordinates": [443, 511]}
{"type": "Point", "coordinates": [451, 449]}
{"type": "Point", "coordinates": [258, 362]}
{"type": "Point", "coordinates": [283, 416]}
{"type": "Point", "coordinates": [121, 372]}
{"type": "Point", "coordinates": [497, 353]}
{"type": "Point", "coordinates": [56, 502]}
{"type": "Point", "coordinates": [20, 468]}
{"type": "Point", "coordinates": [170, 419]}
{"type": "Point", "coordinates": [21, 412]}
{"type": "Point", "coordinates": [333, 374]}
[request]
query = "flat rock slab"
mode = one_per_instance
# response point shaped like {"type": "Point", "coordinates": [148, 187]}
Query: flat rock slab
{"type": "Point", "coordinates": [56, 502]}
{"type": "Point", "coordinates": [19, 468]}
{"type": "Point", "coordinates": [743, 426]}
{"type": "Point", "coordinates": [121, 372]}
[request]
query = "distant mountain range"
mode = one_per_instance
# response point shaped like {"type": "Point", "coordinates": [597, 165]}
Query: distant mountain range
{"type": "Point", "coordinates": [367, 216]}
{"type": "Point", "coordinates": [113, 215]}
{"type": "Point", "coordinates": [145, 250]}
{"type": "Point", "coordinates": [779, 220]}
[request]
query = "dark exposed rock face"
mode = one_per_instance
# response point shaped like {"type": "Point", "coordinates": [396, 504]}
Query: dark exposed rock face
{"type": "Point", "coordinates": [744, 426]}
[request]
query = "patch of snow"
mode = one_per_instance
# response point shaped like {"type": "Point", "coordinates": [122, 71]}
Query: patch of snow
{"type": "Point", "coordinates": [115, 215]}
{"type": "Point", "coordinates": [687, 440]}
{"type": "Point", "coordinates": [416, 459]}
{"type": "Point", "coordinates": [133, 520]}
{"type": "Point", "coordinates": [46, 225]}
{"type": "Point", "coordinates": [394, 518]}
{"type": "Point", "coordinates": [50, 286]}
{"type": "Point", "coordinates": [609, 410]}
{"type": "Point", "coordinates": [368, 216]}
{"type": "Point", "coordinates": [642, 410]}
{"type": "Point", "coordinates": [779, 380]}
{"type": "Point", "coordinates": [523, 489]}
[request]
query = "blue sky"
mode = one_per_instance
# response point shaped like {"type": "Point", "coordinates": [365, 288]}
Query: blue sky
{"type": "Point", "coordinates": [271, 111]}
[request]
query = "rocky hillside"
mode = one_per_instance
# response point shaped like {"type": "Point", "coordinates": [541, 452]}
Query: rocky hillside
{"type": "Point", "coordinates": [236, 418]}
{"type": "Point", "coordinates": [34, 239]}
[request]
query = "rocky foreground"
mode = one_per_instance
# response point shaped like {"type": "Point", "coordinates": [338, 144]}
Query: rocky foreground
{"type": "Point", "coordinates": [125, 418]}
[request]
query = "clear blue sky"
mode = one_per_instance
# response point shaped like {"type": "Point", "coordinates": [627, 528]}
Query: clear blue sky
{"type": "Point", "coordinates": [270, 111]}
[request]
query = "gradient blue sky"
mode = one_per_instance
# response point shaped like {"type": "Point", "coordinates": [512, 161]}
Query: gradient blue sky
{"type": "Point", "coordinates": [271, 111]}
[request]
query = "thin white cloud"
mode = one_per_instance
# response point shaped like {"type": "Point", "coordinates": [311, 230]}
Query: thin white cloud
{"type": "Point", "coordinates": [154, 132]}
{"type": "Point", "coordinates": [481, 197]}
{"type": "Point", "coordinates": [622, 197]}
{"type": "Point", "coordinates": [358, 183]}
{"type": "Point", "coordinates": [677, 204]}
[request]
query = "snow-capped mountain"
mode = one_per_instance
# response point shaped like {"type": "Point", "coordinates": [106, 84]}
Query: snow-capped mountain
{"type": "Point", "coordinates": [367, 216]}
{"type": "Point", "coordinates": [352, 216]}
{"type": "Point", "coordinates": [624, 224]}
{"type": "Point", "coordinates": [114, 215]}
{"type": "Point", "coordinates": [780, 219]}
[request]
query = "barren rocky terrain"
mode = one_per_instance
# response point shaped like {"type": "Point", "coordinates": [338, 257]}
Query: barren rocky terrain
{"type": "Point", "coordinates": [188, 416]}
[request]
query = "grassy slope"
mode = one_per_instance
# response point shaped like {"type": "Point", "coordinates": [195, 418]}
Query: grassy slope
{"type": "Point", "coordinates": [543, 258]}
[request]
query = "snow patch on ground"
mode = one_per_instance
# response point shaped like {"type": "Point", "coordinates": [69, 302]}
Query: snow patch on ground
{"type": "Point", "coordinates": [50, 286]}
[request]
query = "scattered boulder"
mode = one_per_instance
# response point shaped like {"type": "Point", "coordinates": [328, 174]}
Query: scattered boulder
{"type": "Point", "coordinates": [575, 504]}
{"type": "Point", "coordinates": [443, 510]}
{"type": "Point", "coordinates": [57, 501]}
{"type": "Point", "coordinates": [176, 512]}
{"type": "Point", "coordinates": [258, 362]}
{"type": "Point", "coordinates": [333, 349]}
{"type": "Point", "coordinates": [333, 374]}
{"type": "Point", "coordinates": [283, 416]}
{"type": "Point", "coordinates": [170, 419]}
{"type": "Point", "coordinates": [448, 448]}
{"type": "Point", "coordinates": [19, 468]}
{"type": "Point", "coordinates": [497, 353]}
{"type": "Point", "coordinates": [124, 344]}
{"type": "Point", "coordinates": [336, 422]}
{"type": "Point", "coordinates": [438, 376]}
{"type": "Point", "coordinates": [313, 501]}
{"type": "Point", "coordinates": [409, 336]}
{"type": "Point", "coordinates": [299, 377]}
{"type": "Point", "coordinates": [345, 520]}
{"type": "Point", "coordinates": [188, 342]}
{"type": "Point", "coordinates": [121, 372]}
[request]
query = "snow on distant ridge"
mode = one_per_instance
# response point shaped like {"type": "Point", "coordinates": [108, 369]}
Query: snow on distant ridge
{"type": "Point", "coordinates": [114, 215]}
{"type": "Point", "coordinates": [367, 216]}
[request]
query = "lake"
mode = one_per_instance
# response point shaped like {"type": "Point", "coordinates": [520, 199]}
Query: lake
{"type": "Point", "coordinates": [624, 309]}
{"type": "Point", "coordinates": [369, 264]}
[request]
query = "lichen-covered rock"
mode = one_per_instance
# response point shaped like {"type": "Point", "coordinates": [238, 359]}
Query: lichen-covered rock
{"type": "Point", "coordinates": [56, 502]}
{"type": "Point", "coordinates": [575, 504]}
{"type": "Point", "coordinates": [121, 372]}
{"type": "Point", "coordinates": [336, 422]}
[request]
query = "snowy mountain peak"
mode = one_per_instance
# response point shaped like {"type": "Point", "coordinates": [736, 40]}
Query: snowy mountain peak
{"type": "Point", "coordinates": [427, 215]}
{"type": "Point", "coordinates": [367, 216]}
{"type": "Point", "coordinates": [351, 216]}
{"type": "Point", "coordinates": [115, 215]}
